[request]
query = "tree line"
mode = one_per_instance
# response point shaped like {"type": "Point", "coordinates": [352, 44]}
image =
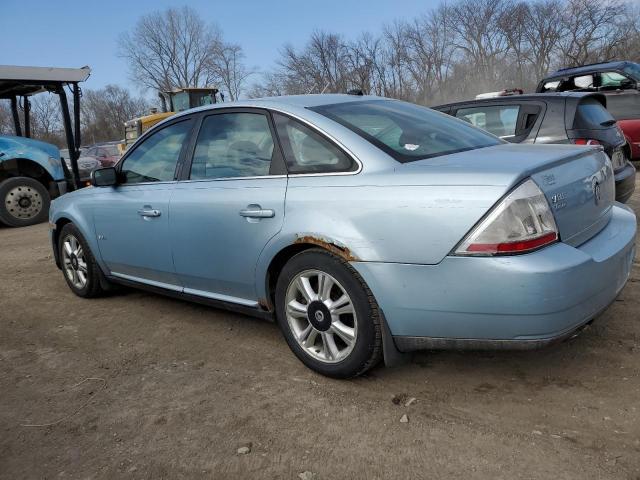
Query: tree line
{"type": "Point", "coordinates": [451, 52]}
{"type": "Point", "coordinates": [460, 49]}
{"type": "Point", "coordinates": [102, 114]}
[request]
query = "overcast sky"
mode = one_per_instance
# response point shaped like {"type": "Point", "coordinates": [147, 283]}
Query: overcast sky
{"type": "Point", "coordinates": [74, 33]}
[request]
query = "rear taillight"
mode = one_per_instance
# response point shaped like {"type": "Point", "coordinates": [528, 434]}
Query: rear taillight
{"type": "Point", "coordinates": [586, 141]}
{"type": "Point", "coordinates": [520, 223]}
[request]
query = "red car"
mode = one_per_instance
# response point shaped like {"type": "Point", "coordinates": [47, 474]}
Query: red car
{"type": "Point", "coordinates": [106, 154]}
{"type": "Point", "coordinates": [619, 81]}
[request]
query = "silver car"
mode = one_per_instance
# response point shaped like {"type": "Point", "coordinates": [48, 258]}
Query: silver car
{"type": "Point", "coordinates": [364, 226]}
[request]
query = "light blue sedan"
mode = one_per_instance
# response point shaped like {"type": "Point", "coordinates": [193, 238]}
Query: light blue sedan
{"type": "Point", "coordinates": [364, 226]}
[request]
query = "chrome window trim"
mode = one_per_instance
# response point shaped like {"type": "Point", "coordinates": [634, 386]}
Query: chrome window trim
{"type": "Point", "coordinates": [327, 135]}
{"type": "Point", "coordinates": [122, 185]}
{"type": "Point", "coordinates": [224, 179]}
{"type": "Point", "coordinates": [268, 109]}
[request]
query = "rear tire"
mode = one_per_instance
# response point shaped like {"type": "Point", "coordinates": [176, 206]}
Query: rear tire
{"type": "Point", "coordinates": [328, 315]}
{"type": "Point", "coordinates": [23, 202]}
{"type": "Point", "coordinates": [79, 267]}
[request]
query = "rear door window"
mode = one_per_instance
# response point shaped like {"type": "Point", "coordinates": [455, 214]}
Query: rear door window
{"type": "Point", "coordinates": [306, 151]}
{"type": "Point", "coordinates": [591, 114]}
{"type": "Point", "coordinates": [500, 120]}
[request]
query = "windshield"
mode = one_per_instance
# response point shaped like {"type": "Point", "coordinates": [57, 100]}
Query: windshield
{"type": "Point", "coordinates": [405, 131]}
{"type": "Point", "coordinates": [633, 69]}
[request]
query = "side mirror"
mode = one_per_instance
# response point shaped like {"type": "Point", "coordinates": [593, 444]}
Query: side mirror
{"type": "Point", "coordinates": [104, 177]}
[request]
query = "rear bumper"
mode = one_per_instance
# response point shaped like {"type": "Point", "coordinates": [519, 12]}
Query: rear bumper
{"type": "Point", "coordinates": [625, 183]}
{"type": "Point", "coordinates": [524, 301]}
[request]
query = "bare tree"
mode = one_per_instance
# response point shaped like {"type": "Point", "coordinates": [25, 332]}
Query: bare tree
{"type": "Point", "coordinates": [272, 85]}
{"type": "Point", "coordinates": [46, 118]}
{"type": "Point", "coordinates": [228, 68]}
{"type": "Point", "coordinates": [104, 112]}
{"type": "Point", "coordinates": [544, 33]}
{"type": "Point", "coordinates": [170, 49]}
{"type": "Point", "coordinates": [318, 67]}
{"type": "Point", "coordinates": [479, 36]}
{"type": "Point", "coordinates": [460, 49]}
{"type": "Point", "coordinates": [590, 27]}
{"type": "Point", "coordinates": [6, 119]}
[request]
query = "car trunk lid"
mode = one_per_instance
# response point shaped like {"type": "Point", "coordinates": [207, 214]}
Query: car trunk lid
{"type": "Point", "coordinates": [577, 181]}
{"type": "Point", "coordinates": [580, 190]}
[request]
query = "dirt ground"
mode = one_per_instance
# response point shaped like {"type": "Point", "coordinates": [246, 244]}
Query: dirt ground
{"type": "Point", "coordinates": [172, 390]}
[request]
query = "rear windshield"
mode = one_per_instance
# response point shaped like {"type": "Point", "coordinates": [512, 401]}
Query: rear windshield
{"type": "Point", "coordinates": [591, 114]}
{"type": "Point", "coordinates": [405, 131]}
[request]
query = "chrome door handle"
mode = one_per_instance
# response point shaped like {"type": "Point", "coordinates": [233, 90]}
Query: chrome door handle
{"type": "Point", "coordinates": [256, 211]}
{"type": "Point", "coordinates": [149, 212]}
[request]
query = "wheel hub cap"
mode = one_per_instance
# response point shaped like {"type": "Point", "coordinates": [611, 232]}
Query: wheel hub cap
{"type": "Point", "coordinates": [23, 202]}
{"type": "Point", "coordinates": [319, 316]}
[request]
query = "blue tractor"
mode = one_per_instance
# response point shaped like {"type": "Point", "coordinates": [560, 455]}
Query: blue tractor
{"type": "Point", "coordinates": [32, 172]}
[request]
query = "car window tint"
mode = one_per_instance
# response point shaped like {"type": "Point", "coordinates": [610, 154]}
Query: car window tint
{"type": "Point", "coordinates": [591, 114]}
{"type": "Point", "coordinates": [155, 159]}
{"type": "Point", "coordinates": [406, 131]}
{"type": "Point", "coordinates": [500, 120]}
{"type": "Point", "coordinates": [306, 151]}
{"type": "Point", "coordinates": [233, 145]}
{"type": "Point", "coordinates": [550, 86]}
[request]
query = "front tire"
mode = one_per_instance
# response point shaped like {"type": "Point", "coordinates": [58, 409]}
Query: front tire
{"type": "Point", "coordinates": [23, 202]}
{"type": "Point", "coordinates": [328, 315]}
{"type": "Point", "coordinates": [79, 267]}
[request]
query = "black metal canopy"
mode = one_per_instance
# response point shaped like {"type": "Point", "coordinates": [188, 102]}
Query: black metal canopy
{"type": "Point", "coordinates": [18, 81]}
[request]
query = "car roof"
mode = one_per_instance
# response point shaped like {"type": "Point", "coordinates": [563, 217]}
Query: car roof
{"type": "Point", "coordinates": [593, 67]}
{"type": "Point", "coordinates": [527, 96]}
{"type": "Point", "coordinates": [286, 102]}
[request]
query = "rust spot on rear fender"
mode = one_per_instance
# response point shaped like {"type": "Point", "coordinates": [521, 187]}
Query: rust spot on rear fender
{"type": "Point", "coordinates": [337, 249]}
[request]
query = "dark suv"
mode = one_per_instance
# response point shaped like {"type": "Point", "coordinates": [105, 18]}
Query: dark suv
{"type": "Point", "coordinates": [619, 81]}
{"type": "Point", "coordinates": [578, 118]}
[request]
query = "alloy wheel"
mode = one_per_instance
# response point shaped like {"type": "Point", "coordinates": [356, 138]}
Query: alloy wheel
{"type": "Point", "coordinates": [74, 262]}
{"type": "Point", "coordinates": [321, 316]}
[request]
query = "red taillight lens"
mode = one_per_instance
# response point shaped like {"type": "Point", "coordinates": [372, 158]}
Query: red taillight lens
{"type": "Point", "coordinates": [513, 247]}
{"type": "Point", "coordinates": [586, 141]}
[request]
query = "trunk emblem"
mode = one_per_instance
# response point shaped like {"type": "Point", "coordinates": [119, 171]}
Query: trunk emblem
{"type": "Point", "coordinates": [597, 195]}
